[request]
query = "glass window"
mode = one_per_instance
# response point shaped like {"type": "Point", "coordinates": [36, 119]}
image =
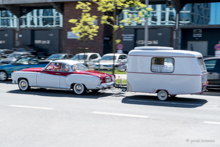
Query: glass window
{"type": "Point", "coordinates": [210, 64]}
{"type": "Point", "coordinates": [33, 61]}
{"type": "Point", "coordinates": [55, 56]}
{"type": "Point", "coordinates": [65, 68]}
{"type": "Point", "coordinates": [108, 58]}
{"type": "Point", "coordinates": [54, 67]}
{"type": "Point", "coordinates": [162, 65]}
{"type": "Point", "coordinates": [201, 65]}
{"type": "Point", "coordinates": [14, 56]}
{"type": "Point", "coordinates": [80, 57]}
{"type": "Point", "coordinates": [70, 56]}
{"type": "Point", "coordinates": [79, 67]}
{"type": "Point", "coordinates": [23, 60]}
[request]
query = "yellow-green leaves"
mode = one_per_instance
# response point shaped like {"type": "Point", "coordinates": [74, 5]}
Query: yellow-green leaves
{"type": "Point", "coordinates": [85, 27]}
{"type": "Point", "coordinates": [117, 41]}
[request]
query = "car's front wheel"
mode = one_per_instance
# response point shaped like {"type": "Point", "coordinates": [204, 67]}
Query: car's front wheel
{"type": "Point", "coordinates": [3, 76]}
{"type": "Point", "coordinates": [79, 88]}
{"type": "Point", "coordinates": [23, 85]}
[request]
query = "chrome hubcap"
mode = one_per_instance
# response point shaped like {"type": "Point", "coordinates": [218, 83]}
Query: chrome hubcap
{"type": "Point", "coordinates": [3, 76]}
{"type": "Point", "coordinates": [78, 88]}
{"type": "Point", "coordinates": [23, 85]}
{"type": "Point", "coordinates": [162, 95]}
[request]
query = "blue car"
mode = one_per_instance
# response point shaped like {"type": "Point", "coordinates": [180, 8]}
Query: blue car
{"type": "Point", "coordinates": [26, 62]}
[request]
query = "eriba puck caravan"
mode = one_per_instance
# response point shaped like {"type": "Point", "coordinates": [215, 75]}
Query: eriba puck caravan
{"type": "Point", "coordinates": [165, 71]}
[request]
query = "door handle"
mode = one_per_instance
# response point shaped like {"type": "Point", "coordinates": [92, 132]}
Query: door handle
{"type": "Point", "coordinates": [57, 73]}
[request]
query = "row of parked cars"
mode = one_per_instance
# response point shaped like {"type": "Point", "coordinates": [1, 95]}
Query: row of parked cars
{"type": "Point", "coordinates": [20, 60]}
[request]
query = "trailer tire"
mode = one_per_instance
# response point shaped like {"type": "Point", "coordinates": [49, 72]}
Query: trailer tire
{"type": "Point", "coordinates": [162, 95]}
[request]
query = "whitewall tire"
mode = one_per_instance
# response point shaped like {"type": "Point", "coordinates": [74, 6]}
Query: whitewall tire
{"type": "Point", "coordinates": [23, 85]}
{"type": "Point", "coordinates": [79, 89]}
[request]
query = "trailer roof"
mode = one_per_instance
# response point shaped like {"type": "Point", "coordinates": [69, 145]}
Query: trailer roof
{"type": "Point", "coordinates": [153, 48]}
{"type": "Point", "coordinates": [165, 53]}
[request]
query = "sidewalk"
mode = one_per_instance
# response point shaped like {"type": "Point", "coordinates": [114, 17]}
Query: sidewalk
{"type": "Point", "coordinates": [121, 76]}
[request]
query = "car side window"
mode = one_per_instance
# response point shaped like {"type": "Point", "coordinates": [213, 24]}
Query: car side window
{"type": "Point", "coordinates": [210, 64]}
{"type": "Point", "coordinates": [65, 57]}
{"type": "Point", "coordinates": [93, 56]}
{"type": "Point", "coordinates": [54, 67]}
{"type": "Point", "coordinates": [33, 61]}
{"type": "Point", "coordinates": [65, 68]}
{"type": "Point", "coordinates": [70, 56]}
{"type": "Point", "coordinates": [162, 65]}
{"type": "Point", "coordinates": [120, 57]}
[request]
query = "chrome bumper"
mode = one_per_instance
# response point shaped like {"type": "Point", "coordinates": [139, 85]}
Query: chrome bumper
{"type": "Point", "coordinates": [14, 82]}
{"type": "Point", "coordinates": [106, 85]}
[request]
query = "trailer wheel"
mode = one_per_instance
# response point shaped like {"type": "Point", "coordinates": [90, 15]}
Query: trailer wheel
{"type": "Point", "coordinates": [162, 95]}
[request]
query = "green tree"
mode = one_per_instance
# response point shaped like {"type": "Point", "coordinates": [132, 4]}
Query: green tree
{"type": "Point", "coordinates": [85, 27]}
{"type": "Point", "coordinates": [109, 9]}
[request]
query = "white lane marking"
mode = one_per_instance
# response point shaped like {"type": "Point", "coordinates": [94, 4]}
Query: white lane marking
{"type": "Point", "coordinates": [33, 107]}
{"type": "Point", "coordinates": [120, 114]}
{"type": "Point", "coordinates": [211, 122]}
{"type": "Point", "coordinates": [166, 102]}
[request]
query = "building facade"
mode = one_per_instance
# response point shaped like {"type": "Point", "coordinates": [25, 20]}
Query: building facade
{"type": "Point", "coordinates": [199, 26]}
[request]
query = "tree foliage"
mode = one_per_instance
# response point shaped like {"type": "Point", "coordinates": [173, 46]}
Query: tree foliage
{"type": "Point", "coordinates": [85, 27]}
{"type": "Point", "coordinates": [113, 5]}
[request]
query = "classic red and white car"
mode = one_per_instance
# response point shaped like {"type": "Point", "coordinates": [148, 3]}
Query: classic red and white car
{"type": "Point", "coordinates": [63, 74]}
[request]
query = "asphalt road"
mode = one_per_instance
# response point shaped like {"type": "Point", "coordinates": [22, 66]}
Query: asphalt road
{"type": "Point", "coordinates": [110, 118]}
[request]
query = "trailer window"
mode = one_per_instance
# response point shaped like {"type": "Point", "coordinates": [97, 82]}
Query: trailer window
{"type": "Point", "coordinates": [201, 65]}
{"type": "Point", "coordinates": [162, 65]}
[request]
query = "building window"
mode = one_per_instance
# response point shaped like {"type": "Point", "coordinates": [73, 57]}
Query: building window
{"type": "Point", "coordinates": [162, 65]}
{"type": "Point", "coordinates": [35, 18]}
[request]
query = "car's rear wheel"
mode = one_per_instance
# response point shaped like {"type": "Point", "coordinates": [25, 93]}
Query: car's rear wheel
{"type": "Point", "coordinates": [3, 76]}
{"type": "Point", "coordinates": [162, 95]}
{"type": "Point", "coordinates": [79, 88]}
{"type": "Point", "coordinates": [23, 85]}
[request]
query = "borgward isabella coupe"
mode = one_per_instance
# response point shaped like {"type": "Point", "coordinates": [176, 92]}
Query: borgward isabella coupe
{"type": "Point", "coordinates": [63, 74]}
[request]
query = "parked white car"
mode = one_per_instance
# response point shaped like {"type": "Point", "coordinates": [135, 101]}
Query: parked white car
{"type": "Point", "coordinates": [63, 74]}
{"type": "Point", "coordinates": [106, 61]}
{"type": "Point", "coordinates": [88, 58]}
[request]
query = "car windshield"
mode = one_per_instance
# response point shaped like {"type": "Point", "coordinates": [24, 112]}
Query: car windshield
{"type": "Point", "coordinates": [80, 57]}
{"type": "Point", "coordinates": [80, 67]}
{"type": "Point", "coordinates": [55, 56]}
{"type": "Point", "coordinates": [23, 60]}
{"type": "Point", "coordinates": [14, 56]}
{"type": "Point", "coordinates": [108, 58]}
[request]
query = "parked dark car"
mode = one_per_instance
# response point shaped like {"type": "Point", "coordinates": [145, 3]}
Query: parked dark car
{"type": "Point", "coordinates": [213, 68]}
{"type": "Point", "coordinates": [13, 57]}
{"type": "Point", "coordinates": [41, 55]}
{"type": "Point", "coordinates": [59, 56]}
{"type": "Point", "coordinates": [4, 53]}
{"type": "Point", "coordinates": [25, 62]}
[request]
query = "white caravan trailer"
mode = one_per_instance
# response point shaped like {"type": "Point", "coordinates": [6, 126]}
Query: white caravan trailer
{"type": "Point", "coordinates": [165, 71]}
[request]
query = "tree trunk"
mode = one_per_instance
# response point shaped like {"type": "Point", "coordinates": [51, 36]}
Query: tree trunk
{"type": "Point", "coordinates": [113, 41]}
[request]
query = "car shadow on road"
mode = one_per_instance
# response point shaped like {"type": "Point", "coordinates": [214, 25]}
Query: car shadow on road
{"type": "Point", "coordinates": [59, 93]}
{"type": "Point", "coordinates": [171, 102]}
